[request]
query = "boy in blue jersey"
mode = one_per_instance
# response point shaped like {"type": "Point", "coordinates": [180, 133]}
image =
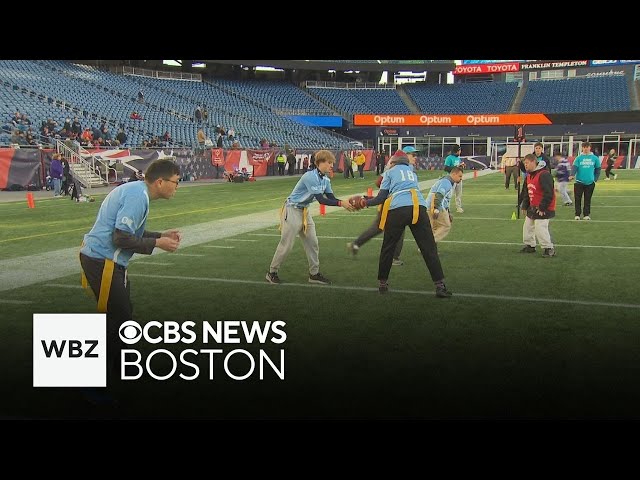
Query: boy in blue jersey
{"type": "Point", "coordinates": [453, 160]}
{"type": "Point", "coordinates": [586, 171]}
{"type": "Point", "coordinates": [295, 218]}
{"type": "Point", "coordinates": [438, 201]}
{"type": "Point", "coordinates": [404, 205]}
{"type": "Point", "coordinates": [118, 233]}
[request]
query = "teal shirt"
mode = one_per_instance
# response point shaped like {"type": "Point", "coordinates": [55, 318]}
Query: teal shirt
{"type": "Point", "coordinates": [585, 168]}
{"type": "Point", "coordinates": [452, 161]}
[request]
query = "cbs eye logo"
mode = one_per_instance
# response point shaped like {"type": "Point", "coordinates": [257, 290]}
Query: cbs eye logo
{"type": "Point", "coordinates": [130, 332]}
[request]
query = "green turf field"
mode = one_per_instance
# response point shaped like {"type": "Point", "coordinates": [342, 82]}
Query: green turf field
{"type": "Point", "coordinates": [522, 337]}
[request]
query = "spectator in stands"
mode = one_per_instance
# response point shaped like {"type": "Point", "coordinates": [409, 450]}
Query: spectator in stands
{"type": "Point", "coordinates": [264, 143]}
{"type": "Point", "coordinates": [219, 140]}
{"type": "Point", "coordinates": [140, 96]}
{"type": "Point", "coordinates": [205, 114]}
{"type": "Point", "coordinates": [76, 126]}
{"type": "Point", "coordinates": [166, 138]}
{"type": "Point", "coordinates": [201, 137]}
{"type": "Point", "coordinates": [231, 134]}
{"type": "Point", "coordinates": [135, 116]}
{"type": "Point", "coordinates": [198, 114]}
{"type": "Point", "coordinates": [121, 137]}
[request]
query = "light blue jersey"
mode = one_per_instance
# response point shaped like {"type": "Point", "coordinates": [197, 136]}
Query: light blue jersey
{"type": "Point", "coordinates": [444, 189]}
{"type": "Point", "coordinates": [584, 167]}
{"type": "Point", "coordinates": [399, 180]}
{"type": "Point", "coordinates": [310, 184]}
{"type": "Point", "coordinates": [125, 208]}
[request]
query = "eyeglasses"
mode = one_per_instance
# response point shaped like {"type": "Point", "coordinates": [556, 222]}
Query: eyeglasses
{"type": "Point", "coordinates": [177, 182]}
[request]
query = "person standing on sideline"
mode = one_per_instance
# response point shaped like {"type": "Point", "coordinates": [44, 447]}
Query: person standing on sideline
{"type": "Point", "coordinates": [296, 220]}
{"type": "Point", "coordinates": [539, 206]}
{"type": "Point", "coordinates": [119, 232]}
{"type": "Point", "coordinates": [374, 230]}
{"type": "Point", "coordinates": [510, 165]}
{"type": "Point", "coordinates": [438, 201]}
{"type": "Point", "coordinates": [586, 171]}
{"type": "Point", "coordinates": [563, 171]}
{"type": "Point", "coordinates": [360, 160]}
{"type": "Point", "coordinates": [348, 165]}
{"type": "Point", "coordinates": [380, 158]}
{"type": "Point", "coordinates": [56, 171]}
{"type": "Point", "coordinates": [453, 160]}
{"type": "Point", "coordinates": [404, 205]}
{"type": "Point", "coordinates": [611, 160]}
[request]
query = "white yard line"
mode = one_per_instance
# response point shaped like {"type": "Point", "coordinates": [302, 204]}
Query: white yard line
{"type": "Point", "coordinates": [379, 238]}
{"type": "Point", "coordinates": [391, 292]}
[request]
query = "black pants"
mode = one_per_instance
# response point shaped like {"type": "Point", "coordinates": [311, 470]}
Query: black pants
{"type": "Point", "coordinates": [607, 172]}
{"type": "Point", "coordinates": [509, 172]}
{"type": "Point", "coordinates": [397, 220]}
{"type": "Point", "coordinates": [373, 231]}
{"type": "Point", "coordinates": [379, 168]}
{"type": "Point", "coordinates": [578, 190]}
{"type": "Point", "coordinates": [119, 307]}
{"type": "Point", "coordinates": [280, 168]}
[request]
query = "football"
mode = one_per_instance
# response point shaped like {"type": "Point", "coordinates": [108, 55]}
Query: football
{"type": "Point", "coordinates": [358, 202]}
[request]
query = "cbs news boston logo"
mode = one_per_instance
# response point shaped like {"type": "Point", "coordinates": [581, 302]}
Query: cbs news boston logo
{"type": "Point", "coordinates": [69, 350]}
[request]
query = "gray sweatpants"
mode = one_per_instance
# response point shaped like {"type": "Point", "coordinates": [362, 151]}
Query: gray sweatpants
{"type": "Point", "coordinates": [292, 225]}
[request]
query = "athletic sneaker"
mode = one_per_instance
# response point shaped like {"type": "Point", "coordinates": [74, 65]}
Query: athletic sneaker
{"type": "Point", "coordinates": [352, 248]}
{"type": "Point", "coordinates": [442, 291]}
{"type": "Point", "coordinates": [549, 252]}
{"type": "Point", "coordinates": [319, 278]}
{"type": "Point", "coordinates": [528, 249]}
{"type": "Point", "coordinates": [607, 179]}
{"type": "Point", "coordinates": [577, 217]}
{"type": "Point", "coordinates": [587, 217]}
{"type": "Point", "coordinates": [568, 204]}
{"type": "Point", "coordinates": [615, 176]}
{"type": "Point", "coordinates": [459, 210]}
{"type": "Point", "coordinates": [397, 262]}
{"type": "Point", "coordinates": [383, 287]}
{"type": "Point", "coordinates": [272, 277]}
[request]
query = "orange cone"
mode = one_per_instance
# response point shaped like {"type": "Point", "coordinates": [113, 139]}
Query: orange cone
{"type": "Point", "coordinates": [31, 203]}
{"type": "Point", "coordinates": [369, 192]}
{"type": "Point", "coordinates": [323, 209]}
{"type": "Point", "coordinates": [475, 174]}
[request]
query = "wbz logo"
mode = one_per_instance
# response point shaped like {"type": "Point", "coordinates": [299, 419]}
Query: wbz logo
{"type": "Point", "coordinates": [69, 350]}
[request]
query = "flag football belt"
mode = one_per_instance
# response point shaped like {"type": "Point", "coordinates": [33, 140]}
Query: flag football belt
{"type": "Point", "coordinates": [387, 204]}
{"type": "Point", "coordinates": [283, 215]}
